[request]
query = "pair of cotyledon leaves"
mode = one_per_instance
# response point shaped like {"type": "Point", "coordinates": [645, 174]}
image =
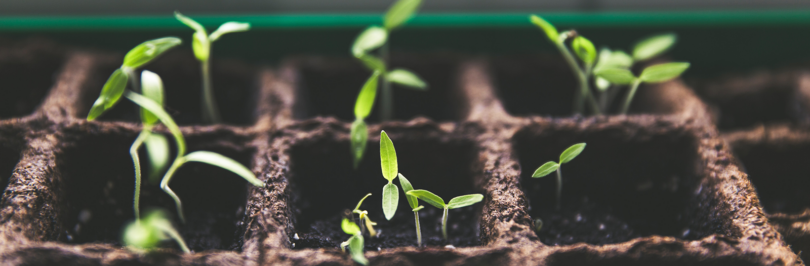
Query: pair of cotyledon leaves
{"type": "Point", "coordinates": [201, 42]}
{"type": "Point", "coordinates": [355, 242]}
{"type": "Point", "coordinates": [147, 233]}
{"type": "Point", "coordinates": [566, 156]}
{"type": "Point", "coordinates": [362, 108]}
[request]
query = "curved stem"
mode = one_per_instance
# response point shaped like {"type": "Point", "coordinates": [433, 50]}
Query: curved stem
{"type": "Point", "coordinates": [559, 186]}
{"type": "Point", "coordinates": [176, 236]}
{"type": "Point", "coordinates": [418, 230]}
{"type": "Point", "coordinates": [164, 185]}
{"type": "Point", "coordinates": [387, 112]}
{"type": "Point", "coordinates": [444, 224]}
{"type": "Point", "coordinates": [133, 152]}
{"type": "Point", "coordinates": [630, 95]}
{"type": "Point", "coordinates": [209, 105]}
{"type": "Point", "coordinates": [584, 86]}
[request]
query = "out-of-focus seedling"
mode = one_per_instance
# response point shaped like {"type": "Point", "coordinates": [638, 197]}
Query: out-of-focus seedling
{"type": "Point", "coordinates": [438, 202]}
{"type": "Point", "coordinates": [362, 108]}
{"type": "Point", "coordinates": [652, 74]}
{"type": "Point", "coordinates": [202, 50]}
{"type": "Point", "coordinates": [364, 219]}
{"type": "Point", "coordinates": [145, 234]}
{"type": "Point", "coordinates": [375, 37]}
{"type": "Point", "coordinates": [551, 166]}
{"type": "Point", "coordinates": [388, 163]}
{"type": "Point", "coordinates": [415, 207]}
{"type": "Point", "coordinates": [355, 243]}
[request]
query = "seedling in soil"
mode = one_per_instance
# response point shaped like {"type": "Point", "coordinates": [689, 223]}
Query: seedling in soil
{"type": "Point", "coordinates": [202, 50]}
{"type": "Point", "coordinates": [653, 74]}
{"type": "Point", "coordinates": [362, 108]}
{"type": "Point", "coordinates": [145, 234]}
{"type": "Point", "coordinates": [551, 166]}
{"type": "Point", "coordinates": [355, 243]}
{"type": "Point", "coordinates": [364, 219]}
{"type": "Point", "coordinates": [388, 163]}
{"type": "Point", "coordinates": [377, 37]}
{"type": "Point", "coordinates": [211, 158]}
{"type": "Point", "coordinates": [436, 201]}
{"type": "Point", "coordinates": [406, 186]}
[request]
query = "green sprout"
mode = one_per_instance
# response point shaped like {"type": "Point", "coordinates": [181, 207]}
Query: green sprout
{"type": "Point", "coordinates": [551, 166]}
{"type": "Point", "coordinates": [364, 219]}
{"type": "Point", "coordinates": [406, 186]}
{"type": "Point", "coordinates": [652, 74]}
{"type": "Point", "coordinates": [145, 234]}
{"type": "Point", "coordinates": [436, 201]}
{"type": "Point", "coordinates": [375, 37]}
{"type": "Point", "coordinates": [355, 243]}
{"type": "Point", "coordinates": [388, 163]}
{"type": "Point", "coordinates": [362, 108]}
{"type": "Point", "coordinates": [202, 50]}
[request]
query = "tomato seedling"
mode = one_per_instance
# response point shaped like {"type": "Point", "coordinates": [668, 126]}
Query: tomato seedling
{"type": "Point", "coordinates": [145, 234]}
{"type": "Point", "coordinates": [438, 202]}
{"type": "Point", "coordinates": [415, 207]}
{"type": "Point", "coordinates": [551, 166]}
{"type": "Point", "coordinates": [362, 108]}
{"type": "Point", "coordinates": [388, 163]}
{"type": "Point", "coordinates": [364, 219]}
{"type": "Point", "coordinates": [355, 242]}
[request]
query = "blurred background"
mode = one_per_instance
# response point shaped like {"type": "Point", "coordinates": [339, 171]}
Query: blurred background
{"type": "Point", "coordinates": [715, 35]}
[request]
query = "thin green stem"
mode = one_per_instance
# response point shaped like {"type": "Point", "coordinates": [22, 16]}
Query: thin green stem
{"type": "Point", "coordinates": [559, 186]}
{"type": "Point", "coordinates": [418, 230]}
{"type": "Point", "coordinates": [176, 236]}
{"type": "Point", "coordinates": [133, 152]}
{"type": "Point", "coordinates": [584, 87]}
{"type": "Point", "coordinates": [387, 112]}
{"type": "Point", "coordinates": [603, 100]}
{"type": "Point", "coordinates": [164, 185]}
{"type": "Point", "coordinates": [444, 224]}
{"type": "Point", "coordinates": [630, 95]}
{"type": "Point", "coordinates": [209, 105]}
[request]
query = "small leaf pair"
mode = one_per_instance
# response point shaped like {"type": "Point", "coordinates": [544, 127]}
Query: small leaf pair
{"type": "Point", "coordinates": [145, 234]}
{"type": "Point", "coordinates": [363, 216]}
{"type": "Point", "coordinates": [438, 202]}
{"type": "Point", "coordinates": [355, 243]}
{"type": "Point", "coordinates": [551, 166]}
{"type": "Point", "coordinates": [652, 74]}
{"type": "Point", "coordinates": [362, 108]}
{"type": "Point", "coordinates": [415, 207]}
{"type": "Point", "coordinates": [388, 163]}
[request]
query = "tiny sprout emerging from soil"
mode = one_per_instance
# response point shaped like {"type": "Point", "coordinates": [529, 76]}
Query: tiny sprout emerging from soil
{"type": "Point", "coordinates": [362, 108]}
{"type": "Point", "coordinates": [415, 207]}
{"type": "Point", "coordinates": [363, 215]}
{"type": "Point", "coordinates": [652, 74]}
{"type": "Point", "coordinates": [145, 234]}
{"type": "Point", "coordinates": [551, 166]}
{"type": "Point", "coordinates": [388, 163]}
{"type": "Point", "coordinates": [376, 37]}
{"type": "Point", "coordinates": [538, 224]}
{"type": "Point", "coordinates": [355, 243]}
{"type": "Point", "coordinates": [202, 50]}
{"type": "Point", "coordinates": [455, 203]}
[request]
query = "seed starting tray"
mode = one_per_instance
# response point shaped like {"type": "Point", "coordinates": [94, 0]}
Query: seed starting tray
{"type": "Point", "coordinates": [661, 186]}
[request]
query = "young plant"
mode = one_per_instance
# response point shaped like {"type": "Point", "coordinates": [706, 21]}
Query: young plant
{"type": "Point", "coordinates": [551, 166]}
{"type": "Point", "coordinates": [652, 74]}
{"type": "Point", "coordinates": [145, 234]}
{"type": "Point", "coordinates": [377, 37]}
{"type": "Point", "coordinates": [362, 108]}
{"type": "Point", "coordinates": [355, 243]}
{"type": "Point", "coordinates": [202, 50]}
{"type": "Point", "coordinates": [388, 163]}
{"type": "Point", "coordinates": [364, 219]}
{"type": "Point", "coordinates": [415, 207]}
{"type": "Point", "coordinates": [438, 202]}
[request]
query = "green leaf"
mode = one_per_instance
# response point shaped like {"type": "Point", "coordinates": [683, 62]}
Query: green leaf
{"type": "Point", "coordinates": [370, 39]}
{"type": "Point", "coordinates": [356, 249]}
{"type": "Point", "coordinates": [545, 169]}
{"type": "Point", "coordinates": [372, 63]}
{"type": "Point", "coordinates": [464, 201]}
{"type": "Point", "coordinates": [549, 29]}
{"type": "Point", "coordinates": [584, 49]}
{"type": "Point", "coordinates": [365, 100]}
{"type": "Point", "coordinates": [663, 72]}
{"type": "Point", "coordinates": [349, 227]}
{"type": "Point", "coordinates": [201, 46]}
{"type": "Point", "coordinates": [602, 84]}
{"type": "Point", "coordinates": [226, 163]}
{"type": "Point", "coordinates": [228, 27]}
{"type": "Point", "coordinates": [428, 197]}
{"type": "Point", "coordinates": [571, 153]}
{"type": "Point", "coordinates": [619, 76]}
{"type": "Point", "coordinates": [110, 93]}
{"type": "Point", "coordinates": [613, 59]}
{"type": "Point", "coordinates": [148, 51]}
{"type": "Point", "coordinates": [406, 186]}
{"type": "Point", "coordinates": [400, 12]}
{"type": "Point", "coordinates": [152, 88]}
{"type": "Point", "coordinates": [361, 201]}
{"type": "Point", "coordinates": [158, 219]}
{"type": "Point", "coordinates": [140, 235]}
{"type": "Point", "coordinates": [390, 200]}
{"type": "Point", "coordinates": [388, 157]}
{"type": "Point", "coordinates": [157, 149]}
{"type": "Point", "coordinates": [406, 78]}
{"type": "Point", "coordinates": [164, 117]}
{"type": "Point", "coordinates": [359, 138]}
{"type": "Point", "coordinates": [653, 46]}
{"type": "Point", "coordinates": [189, 22]}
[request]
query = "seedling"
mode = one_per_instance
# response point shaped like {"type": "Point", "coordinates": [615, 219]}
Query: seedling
{"type": "Point", "coordinates": [375, 37]}
{"type": "Point", "coordinates": [364, 219]}
{"type": "Point", "coordinates": [362, 108]}
{"type": "Point", "coordinates": [355, 243]}
{"type": "Point", "coordinates": [436, 201]}
{"type": "Point", "coordinates": [388, 163]}
{"type": "Point", "coordinates": [551, 166]}
{"type": "Point", "coordinates": [145, 234]}
{"type": "Point", "coordinates": [653, 74]}
{"type": "Point", "coordinates": [202, 50]}
{"type": "Point", "coordinates": [406, 186]}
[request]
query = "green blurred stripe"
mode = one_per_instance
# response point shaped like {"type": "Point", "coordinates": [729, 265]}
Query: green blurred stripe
{"type": "Point", "coordinates": [430, 20]}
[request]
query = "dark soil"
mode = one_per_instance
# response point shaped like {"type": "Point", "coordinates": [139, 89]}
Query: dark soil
{"type": "Point", "coordinates": [234, 83]}
{"type": "Point", "coordinates": [99, 188]}
{"type": "Point", "coordinates": [780, 175]}
{"type": "Point", "coordinates": [330, 88]}
{"type": "Point", "coordinates": [27, 70]}
{"type": "Point", "coordinates": [8, 160]}
{"type": "Point", "coordinates": [325, 185]}
{"type": "Point", "coordinates": [616, 190]}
